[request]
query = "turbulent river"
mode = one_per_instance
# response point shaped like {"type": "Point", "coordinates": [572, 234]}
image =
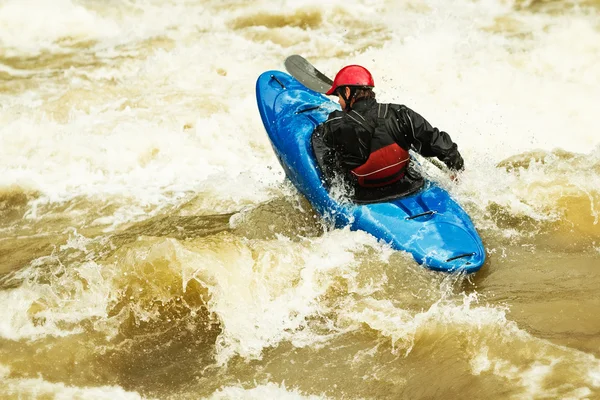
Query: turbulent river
{"type": "Point", "coordinates": [150, 246]}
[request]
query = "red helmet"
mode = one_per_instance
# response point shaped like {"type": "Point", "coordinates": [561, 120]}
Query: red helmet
{"type": "Point", "coordinates": [352, 75]}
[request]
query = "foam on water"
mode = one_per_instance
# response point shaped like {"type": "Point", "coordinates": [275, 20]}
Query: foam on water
{"type": "Point", "coordinates": [64, 26]}
{"type": "Point", "coordinates": [152, 126]}
{"type": "Point", "coordinates": [40, 388]}
{"type": "Point", "coordinates": [484, 333]}
{"type": "Point", "coordinates": [267, 391]}
{"type": "Point", "coordinates": [50, 23]}
{"type": "Point", "coordinates": [263, 294]}
{"type": "Point", "coordinates": [55, 304]}
{"type": "Point", "coordinates": [184, 118]}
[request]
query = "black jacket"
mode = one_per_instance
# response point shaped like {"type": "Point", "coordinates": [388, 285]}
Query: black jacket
{"type": "Point", "coordinates": [341, 144]}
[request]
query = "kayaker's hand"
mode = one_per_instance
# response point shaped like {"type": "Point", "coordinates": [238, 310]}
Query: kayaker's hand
{"type": "Point", "coordinates": [454, 161]}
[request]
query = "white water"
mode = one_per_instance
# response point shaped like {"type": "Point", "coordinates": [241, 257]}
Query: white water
{"type": "Point", "coordinates": [158, 109]}
{"type": "Point", "coordinates": [185, 119]}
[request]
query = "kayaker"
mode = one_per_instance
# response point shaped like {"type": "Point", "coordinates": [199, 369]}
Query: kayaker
{"type": "Point", "coordinates": [367, 143]}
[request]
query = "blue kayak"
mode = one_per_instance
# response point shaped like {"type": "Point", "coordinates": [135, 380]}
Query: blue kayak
{"type": "Point", "coordinates": [428, 224]}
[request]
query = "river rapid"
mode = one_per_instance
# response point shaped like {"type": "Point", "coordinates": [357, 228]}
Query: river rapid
{"type": "Point", "coordinates": [150, 246]}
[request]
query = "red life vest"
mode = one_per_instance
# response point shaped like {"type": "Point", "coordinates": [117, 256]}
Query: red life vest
{"type": "Point", "coordinates": [383, 167]}
{"type": "Point", "coordinates": [387, 161]}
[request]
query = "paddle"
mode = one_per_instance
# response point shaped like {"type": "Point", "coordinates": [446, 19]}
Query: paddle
{"type": "Point", "coordinates": [312, 78]}
{"type": "Point", "coordinates": [307, 74]}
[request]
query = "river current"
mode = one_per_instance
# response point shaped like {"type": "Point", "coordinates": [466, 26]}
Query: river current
{"type": "Point", "coordinates": [150, 246]}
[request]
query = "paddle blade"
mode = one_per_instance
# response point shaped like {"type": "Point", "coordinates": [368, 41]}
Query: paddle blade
{"type": "Point", "coordinates": [307, 74]}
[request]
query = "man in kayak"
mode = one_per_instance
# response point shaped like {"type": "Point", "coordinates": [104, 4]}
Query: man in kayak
{"type": "Point", "coordinates": [367, 142]}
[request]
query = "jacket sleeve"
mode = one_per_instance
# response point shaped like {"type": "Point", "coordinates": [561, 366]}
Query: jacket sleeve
{"type": "Point", "coordinates": [429, 141]}
{"type": "Point", "coordinates": [323, 147]}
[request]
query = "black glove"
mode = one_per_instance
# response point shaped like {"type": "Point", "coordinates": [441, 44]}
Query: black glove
{"type": "Point", "coordinates": [454, 161]}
